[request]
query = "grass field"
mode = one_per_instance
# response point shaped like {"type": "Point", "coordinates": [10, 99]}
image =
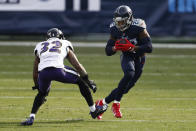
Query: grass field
{"type": "Point", "coordinates": [164, 99]}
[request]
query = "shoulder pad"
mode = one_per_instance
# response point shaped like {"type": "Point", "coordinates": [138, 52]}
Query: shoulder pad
{"type": "Point", "coordinates": [112, 24]}
{"type": "Point", "coordinates": [139, 22]}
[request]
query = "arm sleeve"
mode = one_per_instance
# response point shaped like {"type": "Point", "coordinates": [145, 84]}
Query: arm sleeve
{"type": "Point", "coordinates": [145, 45]}
{"type": "Point", "coordinates": [108, 48]}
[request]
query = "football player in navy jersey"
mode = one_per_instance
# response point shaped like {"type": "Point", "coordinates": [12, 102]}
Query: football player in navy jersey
{"type": "Point", "coordinates": [128, 35]}
{"type": "Point", "coordinates": [49, 66]}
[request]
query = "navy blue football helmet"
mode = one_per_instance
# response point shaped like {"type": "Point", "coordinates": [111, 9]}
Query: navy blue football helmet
{"type": "Point", "coordinates": [123, 17]}
{"type": "Point", "coordinates": [55, 32]}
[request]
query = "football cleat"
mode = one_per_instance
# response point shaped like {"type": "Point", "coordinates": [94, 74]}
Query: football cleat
{"type": "Point", "coordinates": [99, 103]}
{"type": "Point", "coordinates": [116, 110]}
{"type": "Point", "coordinates": [99, 110]}
{"type": "Point", "coordinates": [28, 122]}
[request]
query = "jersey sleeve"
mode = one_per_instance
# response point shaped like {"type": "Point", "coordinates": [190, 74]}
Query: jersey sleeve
{"type": "Point", "coordinates": [114, 32]}
{"type": "Point", "coordinates": [36, 50]}
{"type": "Point", "coordinates": [140, 24]}
{"type": "Point", "coordinates": [69, 45]}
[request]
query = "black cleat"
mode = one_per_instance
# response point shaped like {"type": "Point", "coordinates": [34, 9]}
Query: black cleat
{"type": "Point", "coordinates": [99, 110]}
{"type": "Point", "coordinates": [28, 122]}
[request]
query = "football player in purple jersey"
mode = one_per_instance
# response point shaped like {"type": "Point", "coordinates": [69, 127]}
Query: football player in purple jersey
{"type": "Point", "coordinates": [128, 35]}
{"type": "Point", "coordinates": [49, 66]}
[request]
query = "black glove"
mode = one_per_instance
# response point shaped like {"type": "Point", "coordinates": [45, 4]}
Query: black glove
{"type": "Point", "coordinates": [91, 84]}
{"type": "Point", "coordinates": [35, 87]}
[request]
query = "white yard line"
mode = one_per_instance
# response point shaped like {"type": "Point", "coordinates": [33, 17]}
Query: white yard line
{"type": "Point", "coordinates": [84, 108]}
{"type": "Point", "coordinates": [134, 120]}
{"type": "Point", "coordinates": [172, 99]}
{"type": "Point", "coordinates": [52, 97]}
{"type": "Point", "coordinates": [72, 108]}
{"type": "Point", "coordinates": [97, 55]}
{"type": "Point", "coordinates": [110, 73]}
{"type": "Point", "coordinates": [100, 44]}
{"type": "Point", "coordinates": [171, 56]}
{"type": "Point", "coordinates": [32, 97]}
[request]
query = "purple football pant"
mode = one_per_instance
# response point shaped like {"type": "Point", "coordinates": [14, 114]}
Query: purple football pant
{"type": "Point", "coordinates": [64, 75]}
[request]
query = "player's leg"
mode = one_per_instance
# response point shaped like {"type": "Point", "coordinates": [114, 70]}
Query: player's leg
{"type": "Point", "coordinates": [44, 88]}
{"type": "Point", "coordinates": [139, 64]}
{"type": "Point", "coordinates": [127, 64]}
{"type": "Point", "coordinates": [128, 68]}
{"type": "Point", "coordinates": [69, 75]}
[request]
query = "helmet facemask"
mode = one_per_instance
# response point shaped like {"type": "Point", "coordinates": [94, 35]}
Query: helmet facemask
{"type": "Point", "coordinates": [123, 17]}
{"type": "Point", "coordinates": [122, 23]}
{"type": "Point", "coordinates": [55, 33]}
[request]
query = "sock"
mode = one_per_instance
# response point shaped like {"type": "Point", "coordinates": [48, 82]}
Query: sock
{"type": "Point", "coordinates": [116, 101]}
{"type": "Point", "coordinates": [32, 115]}
{"type": "Point", "coordinates": [92, 108]}
{"type": "Point", "coordinates": [104, 102]}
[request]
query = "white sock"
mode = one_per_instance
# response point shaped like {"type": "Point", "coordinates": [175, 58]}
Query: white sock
{"type": "Point", "coordinates": [104, 102]}
{"type": "Point", "coordinates": [92, 108]}
{"type": "Point", "coordinates": [32, 115]}
{"type": "Point", "coordinates": [115, 101]}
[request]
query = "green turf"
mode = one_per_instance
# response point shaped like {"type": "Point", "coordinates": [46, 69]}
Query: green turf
{"type": "Point", "coordinates": [164, 99]}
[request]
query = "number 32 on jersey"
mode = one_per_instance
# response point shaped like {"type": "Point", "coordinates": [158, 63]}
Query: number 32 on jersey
{"type": "Point", "coordinates": [54, 48]}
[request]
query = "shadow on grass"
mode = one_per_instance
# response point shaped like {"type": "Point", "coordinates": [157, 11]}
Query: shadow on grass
{"type": "Point", "coordinates": [40, 123]}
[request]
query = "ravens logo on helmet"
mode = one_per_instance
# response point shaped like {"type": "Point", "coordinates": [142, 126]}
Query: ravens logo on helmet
{"type": "Point", "coordinates": [55, 32]}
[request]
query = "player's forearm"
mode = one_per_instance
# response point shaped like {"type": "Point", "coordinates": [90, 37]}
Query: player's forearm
{"type": "Point", "coordinates": [35, 75]}
{"type": "Point", "coordinates": [76, 64]}
{"type": "Point", "coordinates": [35, 78]}
{"type": "Point", "coordinates": [81, 70]}
{"type": "Point", "coordinates": [145, 45]}
{"type": "Point", "coordinates": [110, 50]}
{"type": "Point", "coordinates": [35, 71]}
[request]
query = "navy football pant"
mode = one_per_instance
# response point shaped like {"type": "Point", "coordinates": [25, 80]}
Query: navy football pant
{"type": "Point", "coordinates": [132, 68]}
{"type": "Point", "coordinates": [66, 75]}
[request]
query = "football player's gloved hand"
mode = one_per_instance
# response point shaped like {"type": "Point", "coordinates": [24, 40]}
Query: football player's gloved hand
{"type": "Point", "coordinates": [91, 84]}
{"type": "Point", "coordinates": [35, 87]}
{"type": "Point", "coordinates": [124, 45]}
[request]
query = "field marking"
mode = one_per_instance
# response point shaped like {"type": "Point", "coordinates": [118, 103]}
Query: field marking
{"type": "Point", "coordinates": [109, 73]}
{"type": "Point", "coordinates": [97, 55]}
{"type": "Point", "coordinates": [163, 67]}
{"type": "Point", "coordinates": [64, 97]}
{"type": "Point", "coordinates": [171, 56]}
{"type": "Point", "coordinates": [172, 99]}
{"type": "Point", "coordinates": [134, 120]}
{"type": "Point", "coordinates": [32, 97]}
{"type": "Point", "coordinates": [100, 44]}
{"type": "Point", "coordinates": [83, 108]}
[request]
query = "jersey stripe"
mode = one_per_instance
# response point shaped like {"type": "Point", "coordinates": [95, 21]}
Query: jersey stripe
{"type": "Point", "coordinates": [71, 71]}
